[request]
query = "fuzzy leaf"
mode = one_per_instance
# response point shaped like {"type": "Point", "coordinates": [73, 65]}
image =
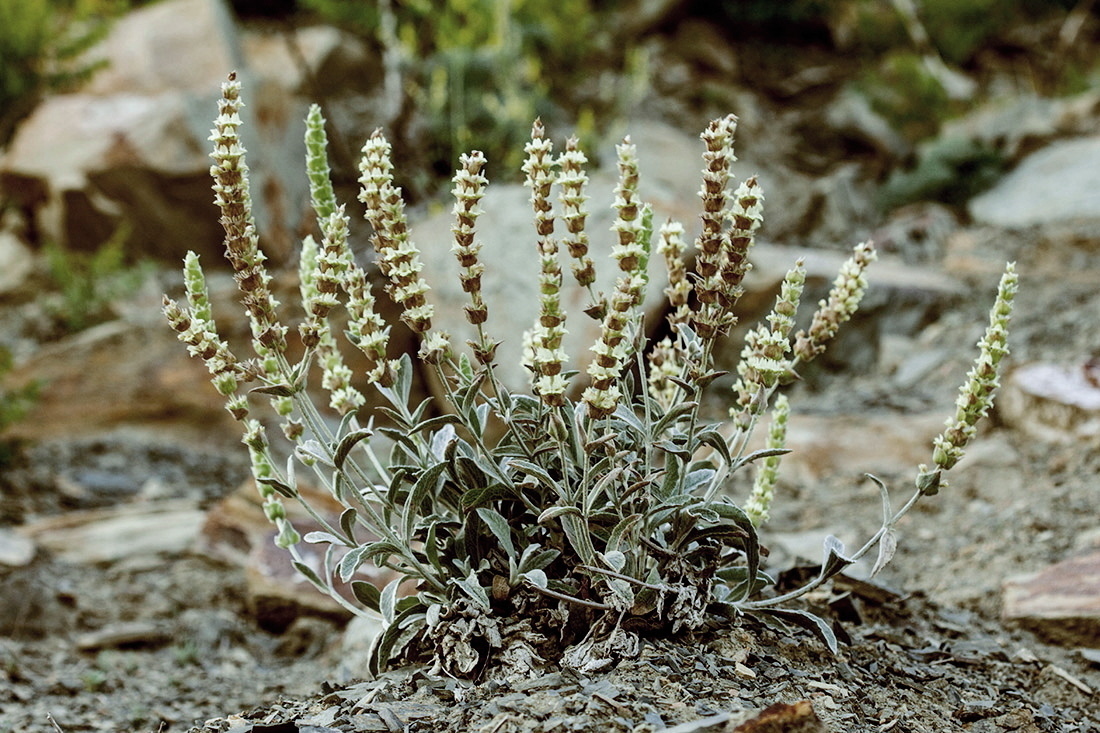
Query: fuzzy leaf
{"type": "Point", "coordinates": [673, 449]}
{"type": "Point", "coordinates": [437, 422]}
{"type": "Point", "coordinates": [715, 440]}
{"type": "Point", "coordinates": [628, 416]}
{"type": "Point", "coordinates": [671, 481]}
{"type": "Point", "coordinates": [535, 558]}
{"type": "Point", "coordinates": [557, 511]}
{"type": "Point", "coordinates": [349, 441]}
{"type": "Point", "coordinates": [347, 523]}
{"type": "Point", "coordinates": [442, 442]}
{"type": "Point", "coordinates": [387, 600]}
{"type": "Point", "coordinates": [887, 546]}
{"type": "Point", "coordinates": [815, 624]}
{"type": "Point", "coordinates": [675, 413]}
{"type": "Point", "coordinates": [366, 593]}
{"type": "Point", "coordinates": [697, 478]}
{"type": "Point", "coordinates": [500, 528]}
{"type": "Point", "coordinates": [576, 530]}
{"type": "Point", "coordinates": [535, 577]}
{"type": "Point", "coordinates": [762, 453]}
{"type": "Point", "coordinates": [428, 482]}
{"type": "Point", "coordinates": [317, 538]}
{"type": "Point", "coordinates": [835, 561]}
{"type": "Point", "coordinates": [613, 560]}
{"type": "Point", "coordinates": [615, 540]}
{"type": "Point", "coordinates": [535, 470]}
{"type": "Point", "coordinates": [383, 646]}
{"type": "Point", "coordinates": [310, 575]}
{"type": "Point", "coordinates": [431, 547]}
{"type": "Point", "coordinates": [472, 588]}
{"type": "Point", "coordinates": [282, 488]}
{"type": "Point", "coordinates": [351, 561]}
{"type": "Point", "coordinates": [472, 498]}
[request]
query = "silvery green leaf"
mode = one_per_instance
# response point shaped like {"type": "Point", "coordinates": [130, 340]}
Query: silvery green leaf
{"type": "Point", "coordinates": [615, 539]}
{"type": "Point", "coordinates": [472, 588]}
{"type": "Point", "coordinates": [275, 390]}
{"type": "Point", "coordinates": [614, 560]}
{"type": "Point", "coordinates": [431, 616]}
{"type": "Point", "coordinates": [366, 593]}
{"type": "Point", "coordinates": [715, 440]}
{"type": "Point", "coordinates": [887, 546]}
{"type": "Point", "coordinates": [809, 621]}
{"type": "Point", "coordinates": [578, 534]}
{"type": "Point", "coordinates": [675, 413]}
{"type": "Point", "coordinates": [622, 590]}
{"type": "Point", "coordinates": [287, 491]}
{"type": "Point", "coordinates": [387, 600]}
{"type": "Point", "coordinates": [351, 562]}
{"type": "Point", "coordinates": [835, 560]}
{"type": "Point", "coordinates": [698, 478]}
{"type": "Point", "coordinates": [349, 441]}
{"type": "Point", "coordinates": [310, 575]}
{"type": "Point", "coordinates": [428, 482]}
{"type": "Point", "coordinates": [500, 528]}
{"type": "Point", "coordinates": [627, 415]}
{"type": "Point", "coordinates": [557, 511]}
{"type": "Point", "coordinates": [887, 510]}
{"type": "Point", "coordinates": [534, 470]}
{"type": "Point", "coordinates": [465, 368]}
{"type": "Point", "coordinates": [762, 453]}
{"type": "Point", "coordinates": [316, 538]}
{"type": "Point", "coordinates": [347, 523]}
{"type": "Point", "coordinates": [536, 578]}
{"type": "Point", "coordinates": [441, 439]}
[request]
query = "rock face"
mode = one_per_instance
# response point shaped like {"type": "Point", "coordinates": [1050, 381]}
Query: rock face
{"type": "Point", "coordinates": [129, 149]}
{"type": "Point", "coordinates": [1056, 184]}
{"type": "Point", "coordinates": [1061, 602]}
{"type": "Point", "coordinates": [129, 375]}
{"type": "Point", "coordinates": [1054, 402]}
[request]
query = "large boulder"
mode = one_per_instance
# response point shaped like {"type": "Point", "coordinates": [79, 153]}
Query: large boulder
{"type": "Point", "coordinates": [129, 149]}
{"type": "Point", "coordinates": [1055, 185]}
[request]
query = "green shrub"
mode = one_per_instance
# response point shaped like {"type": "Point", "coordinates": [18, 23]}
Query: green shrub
{"type": "Point", "coordinates": [88, 284]}
{"type": "Point", "coordinates": [41, 47]}
{"type": "Point", "coordinates": [478, 71]}
{"type": "Point", "coordinates": [541, 527]}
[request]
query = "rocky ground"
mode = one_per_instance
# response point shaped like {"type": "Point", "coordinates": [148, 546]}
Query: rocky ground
{"type": "Point", "coordinates": [138, 591]}
{"type": "Point", "coordinates": [164, 639]}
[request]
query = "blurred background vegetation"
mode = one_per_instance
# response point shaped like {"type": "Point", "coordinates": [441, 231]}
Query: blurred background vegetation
{"type": "Point", "coordinates": [473, 74]}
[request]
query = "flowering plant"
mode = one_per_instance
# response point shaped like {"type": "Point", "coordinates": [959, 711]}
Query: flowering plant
{"type": "Point", "coordinates": [523, 528]}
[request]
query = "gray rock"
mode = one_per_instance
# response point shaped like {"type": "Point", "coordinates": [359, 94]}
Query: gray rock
{"type": "Point", "coordinates": [130, 147]}
{"type": "Point", "coordinates": [1056, 184]}
{"type": "Point", "coordinates": [1054, 402]}
{"type": "Point", "coordinates": [106, 535]}
{"type": "Point", "coordinates": [16, 263]}
{"type": "Point", "coordinates": [16, 549]}
{"type": "Point", "coordinates": [1060, 602]}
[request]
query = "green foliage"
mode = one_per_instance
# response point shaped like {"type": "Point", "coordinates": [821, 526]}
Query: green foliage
{"type": "Point", "coordinates": [537, 527]}
{"type": "Point", "coordinates": [15, 403]}
{"type": "Point", "coordinates": [948, 170]}
{"type": "Point", "coordinates": [907, 95]}
{"type": "Point", "coordinates": [478, 71]}
{"type": "Point", "coordinates": [42, 43]}
{"type": "Point", "coordinates": [88, 284]}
